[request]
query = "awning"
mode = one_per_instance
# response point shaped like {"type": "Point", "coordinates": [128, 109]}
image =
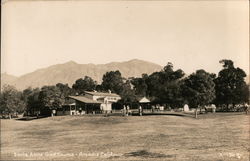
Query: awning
{"type": "Point", "coordinates": [144, 100]}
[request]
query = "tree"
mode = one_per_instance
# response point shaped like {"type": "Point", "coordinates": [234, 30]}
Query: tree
{"type": "Point", "coordinates": [65, 90]}
{"type": "Point", "coordinates": [112, 81]}
{"type": "Point", "coordinates": [153, 84]}
{"type": "Point", "coordinates": [26, 93]}
{"type": "Point", "coordinates": [32, 100]}
{"type": "Point", "coordinates": [11, 101]}
{"type": "Point", "coordinates": [140, 85]}
{"type": "Point", "coordinates": [50, 97]}
{"type": "Point", "coordinates": [127, 93]}
{"type": "Point", "coordinates": [230, 85]}
{"type": "Point", "coordinates": [86, 84]}
{"type": "Point", "coordinates": [198, 89]}
{"type": "Point", "coordinates": [99, 88]}
{"type": "Point", "coordinates": [164, 86]}
{"type": "Point", "coordinates": [170, 91]}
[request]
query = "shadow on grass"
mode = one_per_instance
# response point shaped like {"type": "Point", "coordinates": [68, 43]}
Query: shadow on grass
{"type": "Point", "coordinates": [29, 118]}
{"type": "Point", "coordinates": [146, 154]}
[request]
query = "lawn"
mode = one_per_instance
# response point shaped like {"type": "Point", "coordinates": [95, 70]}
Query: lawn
{"type": "Point", "coordinates": [221, 137]}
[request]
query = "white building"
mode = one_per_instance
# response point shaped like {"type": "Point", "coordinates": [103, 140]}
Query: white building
{"type": "Point", "coordinates": [106, 98]}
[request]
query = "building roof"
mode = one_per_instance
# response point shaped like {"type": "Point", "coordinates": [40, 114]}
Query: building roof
{"type": "Point", "coordinates": [84, 99]}
{"type": "Point", "coordinates": [102, 94]}
{"type": "Point", "coordinates": [143, 100]}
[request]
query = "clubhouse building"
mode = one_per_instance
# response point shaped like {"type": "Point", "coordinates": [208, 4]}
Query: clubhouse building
{"type": "Point", "coordinates": [89, 103]}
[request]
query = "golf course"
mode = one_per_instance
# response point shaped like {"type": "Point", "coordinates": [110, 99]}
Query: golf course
{"type": "Point", "coordinates": [219, 136]}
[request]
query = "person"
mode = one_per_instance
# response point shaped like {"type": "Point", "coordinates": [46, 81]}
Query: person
{"type": "Point", "coordinates": [247, 108]}
{"type": "Point", "coordinates": [158, 108]}
{"type": "Point", "coordinates": [80, 111]}
{"type": "Point", "coordinates": [37, 114]}
{"type": "Point", "coordinates": [127, 112]}
{"type": "Point", "coordinates": [124, 110]}
{"type": "Point", "coordinates": [140, 110]}
{"type": "Point", "coordinates": [153, 108]}
{"type": "Point", "coordinates": [53, 112]}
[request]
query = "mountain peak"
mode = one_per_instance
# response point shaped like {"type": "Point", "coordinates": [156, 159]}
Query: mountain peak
{"type": "Point", "coordinates": [135, 60]}
{"type": "Point", "coordinates": [70, 62]}
{"type": "Point", "coordinates": [139, 61]}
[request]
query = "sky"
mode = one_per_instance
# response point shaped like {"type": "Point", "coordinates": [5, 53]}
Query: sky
{"type": "Point", "coordinates": [191, 34]}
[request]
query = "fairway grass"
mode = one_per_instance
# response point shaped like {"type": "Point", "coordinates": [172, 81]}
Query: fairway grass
{"type": "Point", "coordinates": [220, 137]}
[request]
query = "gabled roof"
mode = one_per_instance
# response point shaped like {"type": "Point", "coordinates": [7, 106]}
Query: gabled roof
{"type": "Point", "coordinates": [102, 94]}
{"type": "Point", "coordinates": [143, 100]}
{"type": "Point", "coordinates": [84, 99]}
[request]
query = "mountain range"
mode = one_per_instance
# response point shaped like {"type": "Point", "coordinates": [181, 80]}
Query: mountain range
{"type": "Point", "coordinates": [70, 71]}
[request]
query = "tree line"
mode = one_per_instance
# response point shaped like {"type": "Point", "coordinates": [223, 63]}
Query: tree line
{"type": "Point", "coordinates": [168, 86]}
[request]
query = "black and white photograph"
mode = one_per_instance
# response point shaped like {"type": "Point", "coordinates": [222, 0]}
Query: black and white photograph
{"type": "Point", "coordinates": [116, 80]}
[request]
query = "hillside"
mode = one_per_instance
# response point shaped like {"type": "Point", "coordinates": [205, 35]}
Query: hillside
{"type": "Point", "coordinates": [7, 79]}
{"type": "Point", "coordinates": [70, 71]}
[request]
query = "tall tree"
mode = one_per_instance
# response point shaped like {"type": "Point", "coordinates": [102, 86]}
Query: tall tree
{"type": "Point", "coordinates": [50, 97]}
{"type": "Point", "coordinates": [127, 93]}
{"type": "Point", "coordinates": [26, 93]}
{"type": "Point", "coordinates": [198, 89]}
{"type": "Point", "coordinates": [11, 101]}
{"type": "Point", "coordinates": [65, 90]}
{"type": "Point", "coordinates": [99, 88]}
{"type": "Point", "coordinates": [230, 85]}
{"type": "Point", "coordinates": [84, 84]}
{"type": "Point", "coordinates": [113, 81]}
{"type": "Point", "coordinates": [140, 85]}
{"type": "Point", "coordinates": [164, 86]}
{"type": "Point", "coordinates": [32, 100]}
